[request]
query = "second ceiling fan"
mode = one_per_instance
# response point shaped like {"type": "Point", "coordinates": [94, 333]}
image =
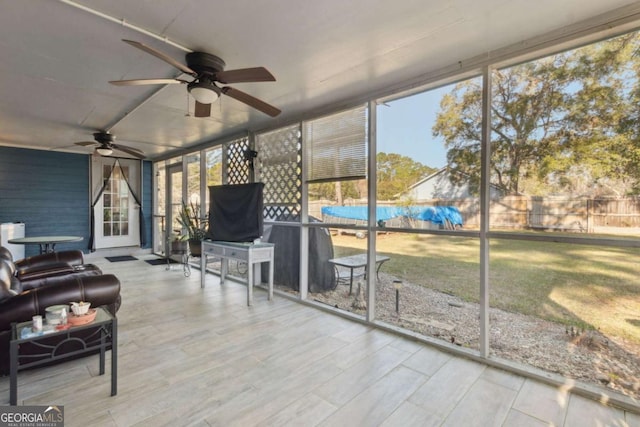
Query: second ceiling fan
{"type": "Point", "coordinates": [207, 70]}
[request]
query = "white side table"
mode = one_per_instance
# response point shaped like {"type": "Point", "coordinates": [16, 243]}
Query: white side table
{"type": "Point", "coordinates": [253, 254]}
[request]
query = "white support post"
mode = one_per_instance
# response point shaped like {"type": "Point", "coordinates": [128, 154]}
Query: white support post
{"type": "Point", "coordinates": [203, 184]}
{"type": "Point", "coordinates": [304, 229]}
{"type": "Point", "coordinates": [251, 137]}
{"type": "Point", "coordinates": [485, 189]}
{"type": "Point", "coordinates": [371, 223]}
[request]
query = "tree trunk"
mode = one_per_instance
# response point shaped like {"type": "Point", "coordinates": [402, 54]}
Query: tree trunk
{"type": "Point", "coordinates": [339, 193]}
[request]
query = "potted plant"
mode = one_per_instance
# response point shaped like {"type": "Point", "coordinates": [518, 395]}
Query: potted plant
{"type": "Point", "coordinates": [178, 244]}
{"type": "Point", "coordinates": [190, 220]}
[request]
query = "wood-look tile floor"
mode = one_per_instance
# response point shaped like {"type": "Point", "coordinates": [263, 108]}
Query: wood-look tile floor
{"type": "Point", "coordinates": [189, 356]}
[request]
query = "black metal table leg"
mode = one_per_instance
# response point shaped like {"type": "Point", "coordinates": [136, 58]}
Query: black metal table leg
{"type": "Point", "coordinates": [351, 281]}
{"type": "Point", "coordinates": [114, 357]}
{"type": "Point", "coordinates": [102, 351]}
{"type": "Point", "coordinates": [13, 382]}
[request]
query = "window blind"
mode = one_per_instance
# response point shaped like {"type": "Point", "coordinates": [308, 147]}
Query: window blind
{"type": "Point", "coordinates": [336, 146]}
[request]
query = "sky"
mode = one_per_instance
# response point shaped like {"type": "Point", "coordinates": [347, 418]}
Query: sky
{"type": "Point", "coordinates": [404, 127]}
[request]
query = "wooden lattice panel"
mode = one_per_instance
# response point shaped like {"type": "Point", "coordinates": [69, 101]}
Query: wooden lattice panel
{"type": "Point", "coordinates": [279, 166]}
{"type": "Point", "coordinates": [238, 171]}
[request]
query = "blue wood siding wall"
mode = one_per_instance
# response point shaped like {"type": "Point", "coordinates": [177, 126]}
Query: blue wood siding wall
{"type": "Point", "coordinates": [49, 192]}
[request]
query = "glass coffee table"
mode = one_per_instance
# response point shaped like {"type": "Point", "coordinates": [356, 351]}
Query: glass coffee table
{"type": "Point", "coordinates": [29, 349]}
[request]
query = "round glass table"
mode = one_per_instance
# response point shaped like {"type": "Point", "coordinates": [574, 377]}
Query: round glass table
{"type": "Point", "coordinates": [47, 243]}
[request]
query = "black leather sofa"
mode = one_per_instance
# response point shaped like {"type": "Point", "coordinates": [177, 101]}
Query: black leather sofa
{"type": "Point", "coordinates": [18, 304]}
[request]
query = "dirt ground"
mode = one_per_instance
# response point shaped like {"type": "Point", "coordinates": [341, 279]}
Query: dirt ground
{"type": "Point", "coordinates": [587, 356]}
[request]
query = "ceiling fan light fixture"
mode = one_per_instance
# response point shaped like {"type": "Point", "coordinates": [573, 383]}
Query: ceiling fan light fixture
{"type": "Point", "coordinates": [205, 92]}
{"type": "Point", "coordinates": [104, 151]}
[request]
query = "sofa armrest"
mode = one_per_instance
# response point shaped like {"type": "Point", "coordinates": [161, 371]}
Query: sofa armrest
{"type": "Point", "coordinates": [70, 257]}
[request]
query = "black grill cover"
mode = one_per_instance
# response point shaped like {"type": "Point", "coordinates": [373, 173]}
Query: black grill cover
{"type": "Point", "coordinates": [235, 212]}
{"type": "Point", "coordinates": [287, 257]}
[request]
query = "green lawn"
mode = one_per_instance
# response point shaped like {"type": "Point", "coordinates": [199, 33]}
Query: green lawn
{"type": "Point", "coordinates": [585, 286]}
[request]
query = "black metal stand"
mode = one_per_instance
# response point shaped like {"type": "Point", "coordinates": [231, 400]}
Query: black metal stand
{"type": "Point", "coordinates": [183, 252]}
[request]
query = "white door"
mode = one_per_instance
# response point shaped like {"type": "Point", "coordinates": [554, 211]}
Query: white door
{"type": "Point", "coordinates": [116, 212]}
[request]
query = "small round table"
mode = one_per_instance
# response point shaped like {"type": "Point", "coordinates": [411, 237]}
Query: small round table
{"type": "Point", "coordinates": [47, 243]}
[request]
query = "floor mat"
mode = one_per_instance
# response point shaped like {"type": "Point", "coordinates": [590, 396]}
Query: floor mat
{"type": "Point", "coordinates": [121, 258]}
{"type": "Point", "coordinates": [160, 261]}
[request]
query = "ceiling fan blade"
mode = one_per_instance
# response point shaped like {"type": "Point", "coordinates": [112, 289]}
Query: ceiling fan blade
{"type": "Point", "coordinates": [202, 110]}
{"type": "Point", "coordinates": [251, 101]}
{"type": "Point", "coordinates": [85, 143]}
{"type": "Point", "coordinates": [166, 58]}
{"type": "Point", "coordinates": [138, 82]}
{"type": "Point", "coordinates": [132, 151]}
{"type": "Point", "coordinates": [257, 74]}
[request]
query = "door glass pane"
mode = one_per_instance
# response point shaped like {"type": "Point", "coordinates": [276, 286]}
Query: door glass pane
{"type": "Point", "coordinates": [214, 170]}
{"type": "Point", "coordinates": [115, 202]}
{"type": "Point", "coordinates": [176, 201]}
{"type": "Point", "coordinates": [193, 178]}
{"type": "Point", "coordinates": [159, 217]}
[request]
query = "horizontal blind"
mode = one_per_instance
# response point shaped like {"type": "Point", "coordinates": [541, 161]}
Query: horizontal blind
{"type": "Point", "coordinates": [336, 146]}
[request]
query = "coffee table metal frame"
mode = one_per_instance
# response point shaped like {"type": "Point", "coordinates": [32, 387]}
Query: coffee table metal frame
{"type": "Point", "coordinates": [104, 337]}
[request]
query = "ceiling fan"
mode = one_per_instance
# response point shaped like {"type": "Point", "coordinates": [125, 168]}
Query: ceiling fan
{"type": "Point", "coordinates": [207, 70]}
{"type": "Point", "coordinates": [105, 145]}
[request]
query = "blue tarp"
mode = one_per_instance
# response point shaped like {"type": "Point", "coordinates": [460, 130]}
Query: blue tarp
{"type": "Point", "coordinates": [435, 214]}
{"type": "Point", "coordinates": [438, 214]}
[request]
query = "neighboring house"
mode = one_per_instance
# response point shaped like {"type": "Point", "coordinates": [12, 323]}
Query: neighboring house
{"type": "Point", "coordinates": [438, 185]}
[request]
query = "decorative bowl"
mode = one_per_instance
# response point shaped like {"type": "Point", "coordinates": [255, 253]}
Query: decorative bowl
{"type": "Point", "coordinates": [53, 314]}
{"type": "Point", "coordinates": [80, 308]}
{"type": "Point", "coordinates": [83, 319]}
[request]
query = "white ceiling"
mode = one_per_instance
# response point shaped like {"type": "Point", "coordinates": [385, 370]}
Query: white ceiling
{"type": "Point", "coordinates": [57, 59]}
